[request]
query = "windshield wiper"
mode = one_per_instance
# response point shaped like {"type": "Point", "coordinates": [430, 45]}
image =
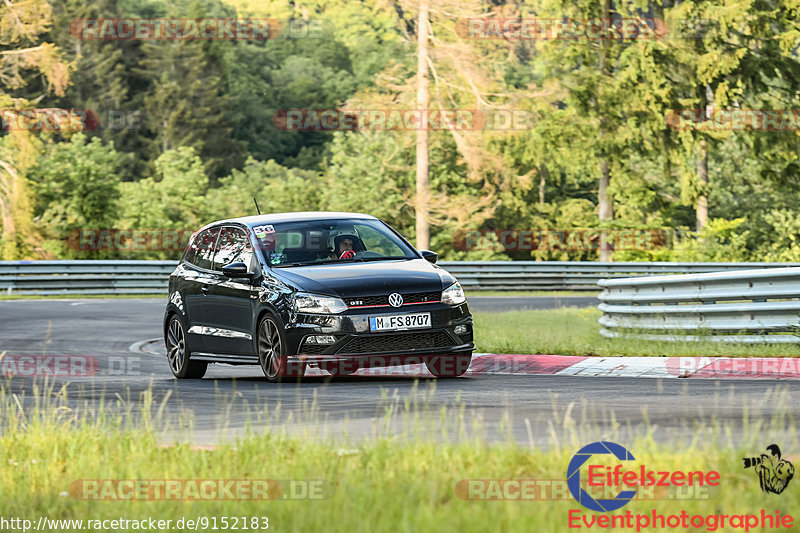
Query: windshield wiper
{"type": "Point", "coordinates": [314, 263]}
{"type": "Point", "coordinates": [344, 261]}
{"type": "Point", "coordinates": [387, 258]}
{"type": "Point", "coordinates": [285, 265]}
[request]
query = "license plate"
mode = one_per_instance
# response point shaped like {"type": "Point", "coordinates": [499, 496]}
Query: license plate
{"type": "Point", "coordinates": [398, 322]}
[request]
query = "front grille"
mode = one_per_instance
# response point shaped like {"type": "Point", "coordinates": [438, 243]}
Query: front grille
{"type": "Point", "coordinates": [396, 342]}
{"type": "Point", "coordinates": [408, 299]}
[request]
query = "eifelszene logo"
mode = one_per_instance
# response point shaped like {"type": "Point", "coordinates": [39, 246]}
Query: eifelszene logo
{"type": "Point", "coordinates": [618, 476]}
{"type": "Point", "coordinates": [574, 477]}
{"type": "Point", "coordinates": [774, 473]}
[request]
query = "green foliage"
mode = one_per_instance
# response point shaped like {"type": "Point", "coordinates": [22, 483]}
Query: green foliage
{"type": "Point", "coordinates": [173, 199]}
{"type": "Point", "coordinates": [276, 188]}
{"type": "Point", "coordinates": [206, 141]}
{"type": "Point", "coordinates": [783, 243]}
{"type": "Point", "coordinates": [185, 104]}
{"type": "Point", "coordinates": [721, 240]}
{"type": "Point", "coordinates": [77, 188]}
{"type": "Point", "coordinates": [370, 173]}
{"type": "Point", "coordinates": [572, 331]}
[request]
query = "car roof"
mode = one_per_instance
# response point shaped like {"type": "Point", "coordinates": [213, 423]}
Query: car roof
{"type": "Point", "coordinates": [256, 220]}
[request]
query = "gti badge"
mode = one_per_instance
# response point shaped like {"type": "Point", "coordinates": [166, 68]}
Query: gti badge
{"type": "Point", "coordinates": [395, 300]}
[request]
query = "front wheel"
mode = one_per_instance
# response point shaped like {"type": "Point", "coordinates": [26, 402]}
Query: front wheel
{"type": "Point", "coordinates": [449, 366]}
{"type": "Point", "coordinates": [178, 353]}
{"type": "Point", "coordinates": [272, 353]}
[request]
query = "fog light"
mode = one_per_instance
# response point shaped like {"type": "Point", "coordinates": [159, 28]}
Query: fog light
{"type": "Point", "coordinates": [460, 330]}
{"type": "Point", "coordinates": [320, 339]}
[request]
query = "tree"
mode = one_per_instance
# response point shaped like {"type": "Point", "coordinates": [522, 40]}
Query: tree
{"type": "Point", "coordinates": [591, 71]}
{"type": "Point", "coordinates": [185, 104]}
{"type": "Point", "coordinates": [730, 57]}
{"type": "Point", "coordinates": [28, 65]}
{"type": "Point", "coordinates": [76, 185]}
{"type": "Point", "coordinates": [423, 104]}
{"type": "Point", "coordinates": [278, 189]}
{"type": "Point", "coordinates": [173, 199]}
{"type": "Point", "coordinates": [105, 80]}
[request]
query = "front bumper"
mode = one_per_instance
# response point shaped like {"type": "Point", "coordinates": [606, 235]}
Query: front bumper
{"type": "Point", "coordinates": [355, 341]}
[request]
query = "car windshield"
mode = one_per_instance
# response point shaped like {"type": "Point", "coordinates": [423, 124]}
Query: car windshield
{"type": "Point", "coordinates": [316, 242]}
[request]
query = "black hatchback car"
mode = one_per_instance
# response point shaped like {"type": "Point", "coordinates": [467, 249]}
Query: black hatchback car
{"type": "Point", "coordinates": [341, 291]}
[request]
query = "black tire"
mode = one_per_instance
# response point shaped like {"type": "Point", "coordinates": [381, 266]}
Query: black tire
{"type": "Point", "coordinates": [179, 352]}
{"type": "Point", "coordinates": [449, 366]}
{"type": "Point", "coordinates": [272, 355]}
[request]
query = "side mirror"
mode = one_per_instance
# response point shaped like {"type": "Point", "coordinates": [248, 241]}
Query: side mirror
{"type": "Point", "coordinates": [236, 270]}
{"type": "Point", "coordinates": [429, 256]}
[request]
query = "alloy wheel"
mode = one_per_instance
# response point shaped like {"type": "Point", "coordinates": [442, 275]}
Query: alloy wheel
{"type": "Point", "coordinates": [269, 348]}
{"type": "Point", "coordinates": [176, 346]}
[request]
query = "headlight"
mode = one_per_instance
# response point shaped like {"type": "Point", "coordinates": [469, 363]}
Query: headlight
{"type": "Point", "coordinates": [453, 295]}
{"type": "Point", "coordinates": [313, 303]}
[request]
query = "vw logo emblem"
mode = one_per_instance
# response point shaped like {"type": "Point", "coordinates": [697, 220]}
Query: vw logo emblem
{"type": "Point", "coordinates": [395, 300]}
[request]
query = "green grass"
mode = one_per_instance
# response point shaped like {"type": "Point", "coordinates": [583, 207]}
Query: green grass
{"type": "Point", "coordinates": [570, 331]}
{"type": "Point", "coordinates": [386, 483]}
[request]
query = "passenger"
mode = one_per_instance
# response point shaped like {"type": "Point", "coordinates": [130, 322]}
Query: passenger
{"type": "Point", "coordinates": [270, 244]}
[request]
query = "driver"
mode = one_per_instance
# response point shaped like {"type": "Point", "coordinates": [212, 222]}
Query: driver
{"type": "Point", "coordinates": [344, 247]}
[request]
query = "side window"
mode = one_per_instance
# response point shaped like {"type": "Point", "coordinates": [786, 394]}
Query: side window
{"type": "Point", "coordinates": [201, 252]}
{"type": "Point", "coordinates": [233, 246]}
{"type": "Point", "coordinates": [191, 250]}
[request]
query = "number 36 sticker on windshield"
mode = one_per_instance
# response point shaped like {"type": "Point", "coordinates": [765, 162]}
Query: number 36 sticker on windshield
{"type": "Point", "coordinates": [260, 231]}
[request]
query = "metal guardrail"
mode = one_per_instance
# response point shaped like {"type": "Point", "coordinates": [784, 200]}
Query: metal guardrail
{"type": "Point", "coordinates": [746, 306]}
{"type": "Point", "coordinates": [572, 275]}
{"type": "Point", "coordinates": [150, 277]}
{"type": "Point", "coordinates": [84, 277]}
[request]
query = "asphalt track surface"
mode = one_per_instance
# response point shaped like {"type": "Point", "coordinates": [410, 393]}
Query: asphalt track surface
{"type": "Point", "coordinates": [544, 410]}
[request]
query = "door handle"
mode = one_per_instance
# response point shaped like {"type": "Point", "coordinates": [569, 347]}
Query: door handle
{"type": "Point", "coordinates": [204, 290]}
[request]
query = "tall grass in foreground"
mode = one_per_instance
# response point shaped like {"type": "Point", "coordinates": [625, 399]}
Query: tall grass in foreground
{"type": "Point", "coordinates": [570, 331]}
{"type": "Point", "coordinates": [390, 482]}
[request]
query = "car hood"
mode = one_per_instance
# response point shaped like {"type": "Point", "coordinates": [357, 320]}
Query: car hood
{"type": "Point", "coordinates": [368, 279]}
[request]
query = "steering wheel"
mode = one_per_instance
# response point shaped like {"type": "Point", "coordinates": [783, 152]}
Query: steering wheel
{"type": "Point", "coordinates": [350, 254]}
